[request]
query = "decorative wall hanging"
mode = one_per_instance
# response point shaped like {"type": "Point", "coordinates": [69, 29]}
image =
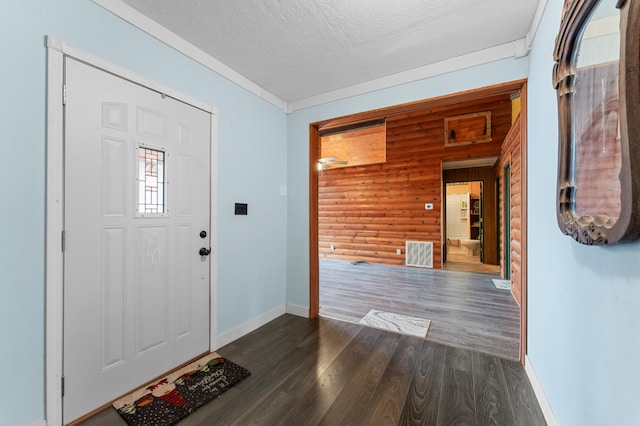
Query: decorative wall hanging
{"type": "Point", "coordinates": [467, 129]}
{"type": "Point", "coordinates": [596, 76]}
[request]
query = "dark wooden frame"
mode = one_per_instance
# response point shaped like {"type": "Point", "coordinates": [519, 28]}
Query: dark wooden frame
{"type": "Point", "coordinates": [486, 175]}
{"type": "Point", "coordinates": [593, 230]}
{"type": "Point", "coordinates": [449, 132]}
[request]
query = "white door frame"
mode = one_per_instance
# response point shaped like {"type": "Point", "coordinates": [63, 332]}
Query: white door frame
{"type": "Point", "coordinates": [54, 260]}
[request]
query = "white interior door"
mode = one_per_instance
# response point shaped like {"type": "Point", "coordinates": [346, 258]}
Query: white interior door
{"type": "Point", "coordinates": [137, 185]}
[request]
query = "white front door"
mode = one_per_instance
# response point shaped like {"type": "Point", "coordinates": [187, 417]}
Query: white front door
{"type": "Point", "coordinates": [136, 214]}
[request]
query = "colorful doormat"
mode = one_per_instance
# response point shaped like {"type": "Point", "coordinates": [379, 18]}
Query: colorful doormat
{"type": "Point", "coordinates": [180, 393]}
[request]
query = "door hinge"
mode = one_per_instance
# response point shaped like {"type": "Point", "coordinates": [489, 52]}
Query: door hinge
{"type": "Point", "coordinates": [63, 239]}
{"type": "Point", "coordinates": [64, 94]}
{"type": "Point", "coordinates": [62, 385]}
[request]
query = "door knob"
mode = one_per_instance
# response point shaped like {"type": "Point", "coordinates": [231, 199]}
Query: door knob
{"type": "Point", "coordinates": [204, 251]}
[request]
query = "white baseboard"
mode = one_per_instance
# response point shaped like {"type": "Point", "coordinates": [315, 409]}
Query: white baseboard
{"type": "Point", "coordinates": [41, 422]}
{"type": "Point", "coordinates": [246, 328]}
{"type": "Point", "coordinates": [301, 311]}
{"type": "Point", "coordinates": [537, 389]}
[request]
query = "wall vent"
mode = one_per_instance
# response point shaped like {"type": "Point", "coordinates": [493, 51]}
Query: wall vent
{"type": "Point", "coordinates": [419, 253]}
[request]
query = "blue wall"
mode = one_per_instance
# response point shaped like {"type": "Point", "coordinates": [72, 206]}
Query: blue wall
{"type": "Point", "coordinates": [583, 301]}
{"type": "Point", "coordinates": [252, 166]}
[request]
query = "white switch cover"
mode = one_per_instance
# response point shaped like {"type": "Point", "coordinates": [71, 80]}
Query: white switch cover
{"type": "Point", "coordinates": [428, 206]}
{"type": "Point", "coordinates": [398, 251]}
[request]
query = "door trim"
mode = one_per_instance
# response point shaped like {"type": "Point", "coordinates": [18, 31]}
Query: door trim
{"type": "Point", "coordinates": [506, 223]}
{"type": "Point", "coordinates": [54, 260]}
{"type": "Point", "coordinates": [314, 144]}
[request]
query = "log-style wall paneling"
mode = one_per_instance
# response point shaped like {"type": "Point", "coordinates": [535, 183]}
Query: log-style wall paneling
{"type": "Point", "coordinates": [369, 212]}
{"type": "Point", "coordinates": [511, 154]}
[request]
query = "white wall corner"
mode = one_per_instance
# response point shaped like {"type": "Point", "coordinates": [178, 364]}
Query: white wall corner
{"type": "Point", "coordinates": [301, 311]}
{"type": "Point", "coordinates": [521, 48]}
{"type": "Point", "coordinates": [247, 327]}
{"type": "Point", "coordinates": [540, 395]}
{"type": "Point", "coordinates": [288, 107]}
{"type": "Point", "coordinates": [535, 23]}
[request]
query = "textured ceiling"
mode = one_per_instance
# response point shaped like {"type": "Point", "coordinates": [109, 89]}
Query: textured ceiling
{"type": "Point", "coordinates": [297, 49]}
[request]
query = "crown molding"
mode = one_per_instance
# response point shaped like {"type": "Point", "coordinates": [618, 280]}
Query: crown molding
{"type": "Point", "coordinates": [515, 49]}
{"type": "Point", "coordinates": [492, 54]}
{"type": "Point", "coordinates": [139, 20]}
{"type": "Point", "coordinates": [542, 5]}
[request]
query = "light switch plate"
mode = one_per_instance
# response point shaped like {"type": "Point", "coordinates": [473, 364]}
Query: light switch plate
{"type": "Point", "coordinates": [241, 209]}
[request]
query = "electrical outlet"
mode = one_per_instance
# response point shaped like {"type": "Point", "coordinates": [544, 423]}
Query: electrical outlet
{"type": "Point", "coordinates": [428, 206]}
{"type": "Point", "coordinates": [398, 251]}
{"type": "Point", "coordinates": [331, 247]}
{"type": "Point", "coordinates": [241, 209]}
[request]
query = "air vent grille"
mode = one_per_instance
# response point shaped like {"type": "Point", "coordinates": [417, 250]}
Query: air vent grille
{"type": "Point", "coordinates": [419, 253]}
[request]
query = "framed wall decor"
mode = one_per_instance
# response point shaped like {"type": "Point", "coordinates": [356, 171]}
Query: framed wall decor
{"type": "Point", "coordinates": [596, 73]}
{"type": "Point", "coordinates": [467, 129]}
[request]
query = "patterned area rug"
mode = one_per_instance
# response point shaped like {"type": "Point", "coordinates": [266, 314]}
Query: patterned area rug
{"type": "Point", "coordinates": [180, 393]}
{"type": "Point", "coordinates": [397, 323]}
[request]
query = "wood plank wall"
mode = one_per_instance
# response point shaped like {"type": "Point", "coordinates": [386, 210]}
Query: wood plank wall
{"type": "Point", "coordinates": [511, 154]}
{"type": "Point", "coordinates": [367, 213]}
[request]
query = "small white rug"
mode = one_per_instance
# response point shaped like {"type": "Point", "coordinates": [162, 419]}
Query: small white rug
{"type": "Point", "coordinates": [397, 323]}
{"type": "Point", "coordinates": [502, 284]}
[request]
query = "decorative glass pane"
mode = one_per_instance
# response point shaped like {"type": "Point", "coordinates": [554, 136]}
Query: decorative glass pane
{"type": "Point", "coordinates": [151, 182]}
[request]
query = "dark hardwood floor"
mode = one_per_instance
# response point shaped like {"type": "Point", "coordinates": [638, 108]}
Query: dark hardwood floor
{"type": "Point", "coordinates": [465, 308]}
{"type": "Point", "coordinates": [329, 372]}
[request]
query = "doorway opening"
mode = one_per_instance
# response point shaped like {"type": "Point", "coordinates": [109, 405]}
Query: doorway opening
{"type": "Point", "coordinates": [464, 228]}
{"type": "Point", "coordinates": [373, 232]}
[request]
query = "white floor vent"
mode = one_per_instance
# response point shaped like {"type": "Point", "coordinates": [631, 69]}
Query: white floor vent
{"type": "Point", "coordinates": [419, 253]}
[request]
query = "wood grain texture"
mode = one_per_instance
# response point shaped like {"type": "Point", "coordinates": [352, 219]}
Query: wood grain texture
{"type": "Point", "coordinates": [369, 212]}
{"type": "Point", "coordinates": [465, 308]}
{"type": "Point", "coordinates": [423, 400]}
{"type": "Point", "coordinates": [525, 411]}
{"type": "Point", "coordinates": [511, 154]}
{"type": "Point", "coordinates": [324, 371]}
{"type": "Point", "coordinates": [491, 392]}
{"type": "Point", "coordinates": [356, 147]}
